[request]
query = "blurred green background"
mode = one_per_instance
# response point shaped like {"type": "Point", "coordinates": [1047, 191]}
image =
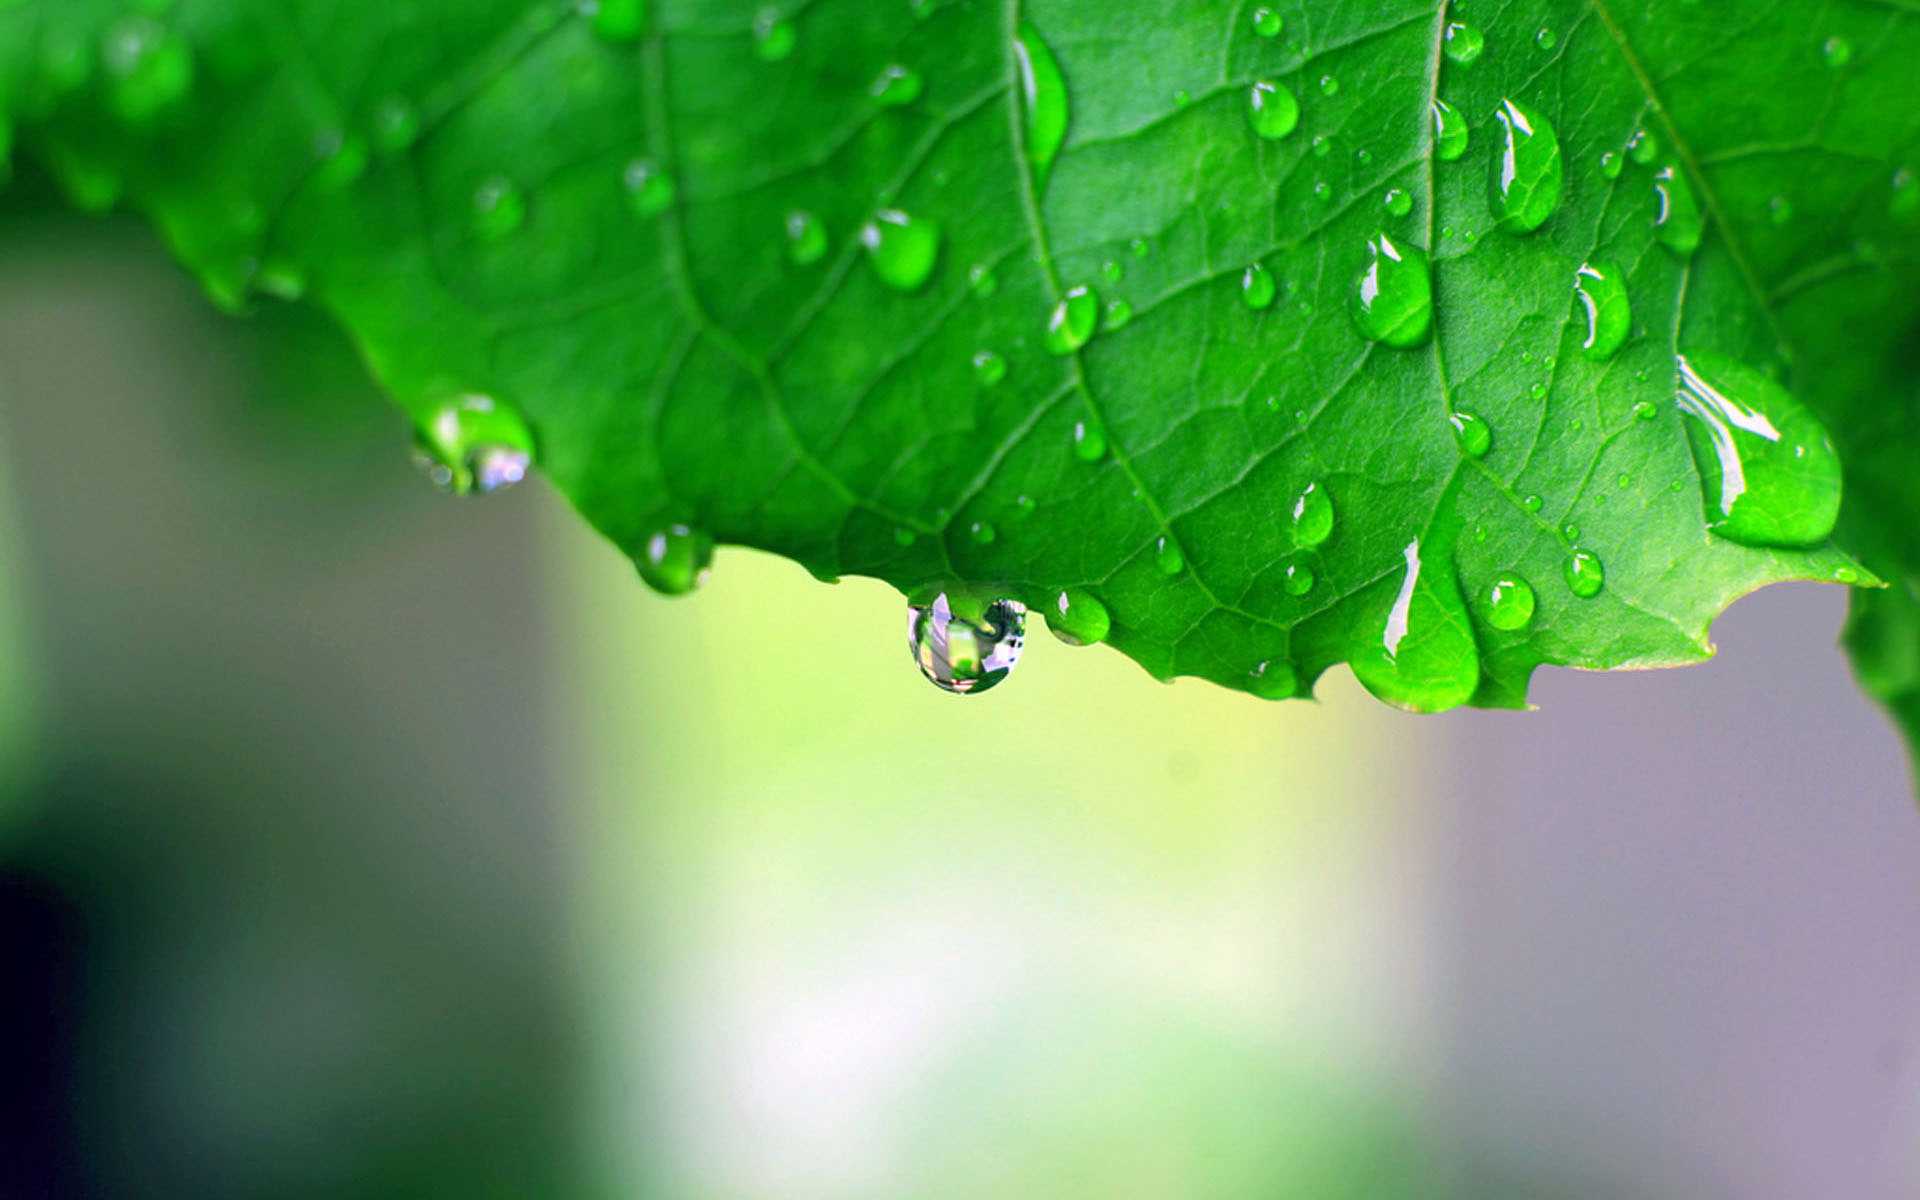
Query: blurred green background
{"type": "Point", "coordinates": [356, 841]}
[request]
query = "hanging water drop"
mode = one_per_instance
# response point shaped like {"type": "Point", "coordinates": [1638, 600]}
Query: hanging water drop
{"type": "Point", "coordinates": [675, 559]}
{"type": "Point", "coordinates": [1312, 517]}
{"type": "Point", "coordinates": [473, 444]}
{"type": "Point", "coordinates": [964, 645]}
{"type": "Point", "coordinates": [1272, 109]}
{"type": "Point", "coordinates": [1078, 618]}
{"type": "Point", "coordinates": [1526, 177]}
{"type": "Point", "coordinates": [1273, 680]}
{"type": "Point", "coordinates": [902, 249]}
{"type": "Point", "coordinates": [1602, 289]}
{"type": "Point", "coordinates": [1392, 299]}
{"type": "Point", "coordinates": [1768, 472]}
{"type": "Point", "coordinates": [1257, 288]}
{"type": "Point", "coordinates": [1585, 577]}
{"type": "Point", "coordinates": [1419, 653]}
{"type": "Point", "coordinates": [1678, 224]}
{"type": "Point", "coordinates": [1510, 603]}
{"type": "Point", "coordinates": [1072, 321]}
{"type": "Point", "coordinates": [1450, 132]}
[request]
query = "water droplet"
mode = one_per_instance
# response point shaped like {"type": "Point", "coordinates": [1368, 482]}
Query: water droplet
{"type": "Point", "coordinates": [1329, 86]}
{"type": "Point", "coordinates": [619, 20]}
{"type": "Point", "coordinates": [1272, 109]}
{"type": "Point", "coordinates": [1611, 164]}
{"type": "Point", "coordinates": [1267, 23]}
{"type": "Point", "coordinates": [1570, 531]}
{"type": "Point", "coordinates": [966, 647]}
{"type": "Point", "coordinates": [1089, 441]}
{"type": "Point", "coordinates": [1312, 517]}
{"type": "Point", "coordinates": [989, 368]}
{"type": "Point", "coordinates": [1526, 178]}
{"type": "Point", "coordinates": [1845, 575]}
{"type": "Point", "coordinates": [1585, 577]}
{"type": "Point", "coordinates": [498, 208]}
{"type": "Point", "coordinates": [1678, 224]}
{"type": "Point", "coordinates": [904, 537]}
{"type": "Point", "coordinates": [983, 281]}
{"type": "Point", "coordinates": [1078, 618]}
{"type": "Point", "coordinates": [149, 68]}
{"type": "Point", "coordinates": [983, 532]}
{"type": "Point", "coordinates": [1322, 145]}
{"type": "Point", "coordinates": [1768, 472]}
{"type": "Point", "coordinates": [773, 36]}
{"type": "Point", "coordinates": [902, 249]}
{"type": "Point", "coordinates": [650, 190]}
{"type": "Point", "coordinates": [1538, 391]}
{"type": "Point", "coordinates": [1780, 210]}
{"type": "Point", "coordinates": [1905, 200]}
{"type": "Point", "coordinates": [1323, 190]}
{"type": "Point", "coordinates": [1112, 271]}
{"type": "Point", "coordinates": [1256, 287]}
{"type": "Point", "coordinates": [1397, 202]}
{"type": "Point", "coordinates": [675, 559]}
{"type": "Point", "coordinates": [1167, 556]}
{"type": "Point", "coordinates": [1141, 247]}
{"type": "Point", "coordinates": [1474, 435]}
{"type": "Point", "coordinates": [1393, 295]}
{"type": "Point", "coordinates": [1646, 410]}
{"type": "Point", "coordinates": [343, 159]}
{"type": "Point", "coordinates": [1419, 654]}
{"type": "Point", "coordinates": [1181, 98]}
{"type": "Point", "coordinates": [1274, 681]}
{"type": "Point", "coordinates": [396, 125]}
{"type": "Point", "coordinates": [895, 86]}
{"type": "Point", "coordinates": [1364, 155]}
{"type": "Point", "coordinates": [1838, 51]}
{"type": "Point", "coordinates": [1643, 147]}
{"type": "Point", "coordinates": [1463, 43]}
{"type": "Point", "coordinates": [1072, 321]}
{"type": "Point", "coordinates": [1119, 312]}
{"type": "Point", "coordinates": [1602, 289]}
{"type": "Point", "coordinates": [1450, 132]}
{"type": "Point", "coordinates": [1546, 39]}
{"type": "Point", "coordinates": [1298, 579]}
{"type": "Point", "coordinates": [806, 238]}
{"type": "Point", "coordinates": [1531, 504]}
{"type": "Point", "coordinates": [473, 444]}
{"type": "Point", "coordinates": [1510, 603]}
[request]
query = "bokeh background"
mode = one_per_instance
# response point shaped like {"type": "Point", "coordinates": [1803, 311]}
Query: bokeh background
{"type": "Point", "coordinates": [357, 841]}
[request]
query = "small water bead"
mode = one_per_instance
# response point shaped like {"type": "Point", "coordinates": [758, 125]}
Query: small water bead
{"type": "Point", "coordinates": [982, 532]}
{"type": "Point", "coordinates": [1585, 576]}
{"type": "Point", "coordinates": [1474, 435]}
{"type": "Point", "coordinates": [1623, 480]}
{"type": "Point", "coordinates": [343, 159]}
{"type": "Point", "coordinates": [1073, 320]}
{"type": "Point", "coordinates": [904, 537]}
{"type": "Point", "coordinates": [1463, 43]}
{"type": "Point", "coordinates": [1141, 247]}
{"type": "Point", "coordinates": [1905, 200]}
{"type": "Point", "coordinates": [396, 125]}
{"type": "Point", "coordinates": [1274, 681]}
{"type": "Point", "coordinates": [1267, 23]}
{"type": "Point", "coordinates": [1298, 579]}
{"type": "Point", "coordinates": [983, 281]}
{"type": "Point", "coordinates": [1611, 164]}
{"type": "Point", "coordinates": [1418, 652]}
{"type": "Point", "coordinates": [1450, 132]}
{"type": "Point", "coordinates": [1678, 224]}
{"type": "Point", "coordinates": [473, 444]}
{"type": "Point", "coordinates": [1780, 210]}
{"type": "Point", "coordinates": [1601, 287]}
{"type": "Point", "coordinates": [1769, 475]}
{"type": "Point", "coordinates": [1646, 410]}
{"type": "Point", "coordinates": [1546, 39]}
{"type": "Point", "coordinates": [1838, 51]}
{"type": "Point", "coordinates": [1182, 98]}
{"type": "Point", "coordinates": [1531, 504]}
{"type": "Point", "coordinates": [1167, 556]}
{"type": "Point", "coordinates": [1526, 179]}
{"type": "Point", "coordinates": [1845, 575]}
{"type": "Point", "coordinates": [1312, 517]}
{"type": "Point", "coordinates": [1322, 145]}
{"type": "Point", "coordinates": [1537, 391]}
{"type": "Point", "coordinates": [1272, 109]}
{"type": "Point", "coordinates": [1397, 202]}
{"type": "Point", "coordinates": [989, 368]}
{"type": "Point", "coordinates": [1323, 190]}
{"type": "Point", "coordinates": [1392, 298]}
{"type": "Point", "coordinates": [1118, 313]}
{"type": "Point", "coordinates": [675, 559]}
{"type": "Point", "coordinates": [1570, 531]}
{"type": "Point", "coordinates": [964, 646]}
{"type": "Point", "coordinates": [650, 190]}
{"type": "Point", "coordinates": [1510, 603]}
{"type": "Point", "coordinates": [1089, 442]}
{"type": "Point", "coordinates": [773, 35]}
{"type": "Point", "coordinates": [618, 20]}
{"type": "Point", "coordinates": [896, 85]}
{"type": "Point", "coordinates": [1329, 86]}
{"type": "Point", "coordinates": [498, 208]}
{"type": "Point", "coordinates": [149, 67]}
{"type": "Point", "coordinates": [901, 248]}
{"type": "Point", "coordinates": [1257, 288]}
{"type": "Point", "coordinates": [806, 238]}
{"type": "Point", "coordinates": [1112, 271]}
{"type": "Point", "coordinates": [1643, 147]}
{"type": "Point", "coordinates": [1078, 618]}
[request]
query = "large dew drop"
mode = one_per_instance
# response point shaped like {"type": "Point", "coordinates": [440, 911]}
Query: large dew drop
{"type": "Point", "coordinates": [1602, 289]}
{"type": "Point", "coordinates": [1419, 654]}
{"type": "Point", "coordinates": [1769, 476]}
{"type": "Point", "coordinates": [1272, 109]}
{"type": "Point", "coordinates": [1044, 90]}
{"type": "Point", "coordinates": [473, 444]}
{"type": "Point", "coordinates": [1510, 603]}
{"type": "Point", "coordinates": [1078, 618]}
{"type": "Point", "coordinates": [1450, 133]}
{"type": "Point", "coordinates": [1526, 178]}
{"type": "Point", "coordinates": [902, 249]}
{"type": "Point", "coordinates": [1393, 296]}
{"type": "Point", "coordinates": [1073, 320]}
{"type": "Point", "coordinates": [675, 559]}
{"type": "Point", "coordinates": [1678, 223]}
{"type": "Point", "coordinates": [966, 646]}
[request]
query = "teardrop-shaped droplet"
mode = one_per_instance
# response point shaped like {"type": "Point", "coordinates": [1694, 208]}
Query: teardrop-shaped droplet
{"type": "Point", "coordinates": [989, 368]}
{"type": "Point", "coordinates": [474, 444]}
{"type": "Point", "coordinates": [1678, 224]}
{"type": "Point", "coordinates": [1089, 441]}
{"type": "Point", "coordinates": [1602, 288]}
{"type": "Point", "coordinates": [1450, 132]}
{"type": "Point", "coordinates": [650, 190]}
{"type": "Point", "coordinates": [1257, 288]}
{"type": "Point", "coordinates": [1078, 618]}
{"type": "Point", "coordinates": [806, 238]}
{"type": "Point", "coordinates": [1272, 109]}
{"type": "Point", "coordinates": [1274, 679]}
{"type": "Point", "coordinates": [1393, 296]}
{"type": "Point", "coordinates": [965, 646]}
{"type": "Point", "coordinates": [896, 85]}
{"type": "Point", "coordinates": [1044, 90]}
{"type": "Point", "coordinates": [1768, 472]}
{"type": "Point", "coordinates": [675, 558]}
{"type": "Point", "coordinates": [773, 36]}
{"type": "Point", "coordinates": [1312, 516]}
{"type": "Point", "coordinates": [1510, 603]}
{"type": "Point", "coordinates": [902, 249]}
{"type": "Point", "coordinates": [1267, 23]}
{"type": "Point", "coordinates": [1474, 435]}
{"type": "Point", "coordinates": [1463, 43]}
{"type": "Point", "coordinates": [1585, 576]}
{"type": "Point", "coordinates": [1073, 320]}
{"type": "Point", "coordinates": [1526, 179]}
{"type": "Point", "coordinates": [498, 208]}
{"type": "Point", "coordinates": [1418, 654]}
{"type": "Point", "coordinates": [619, 20]}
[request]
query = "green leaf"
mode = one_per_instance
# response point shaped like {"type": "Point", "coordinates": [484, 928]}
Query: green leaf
{"type": "Point", "coordinates": [1023, 299]}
